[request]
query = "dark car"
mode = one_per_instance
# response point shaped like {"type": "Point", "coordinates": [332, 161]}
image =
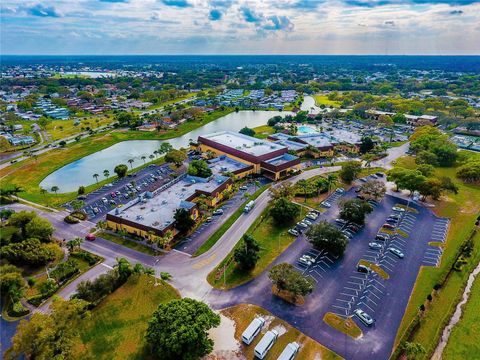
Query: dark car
{"type": "Point", "coordinates": [388, 226]}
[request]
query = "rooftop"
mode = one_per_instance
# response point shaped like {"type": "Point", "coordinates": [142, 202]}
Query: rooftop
{"type": "Point", "coordinates": [244, 143]}
{"type": "Point", "coordinates": [224, 164]}
{"type": "Point", "coordinates": [156, 209]}
{"type": "Point", "coordinates": [282, 159]}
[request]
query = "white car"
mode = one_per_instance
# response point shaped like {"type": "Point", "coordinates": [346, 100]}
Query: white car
{"type": "Point", "coordinates": [243, 187]}
{"type": "Point", "coordinates": [398, 209]}
{"type": "Point", "coordinates": [340, 190]}
{"type": "Point", "coordinates": [293, 232]}
{"type": "Point", "coordinates": [364, 317]}
{"type": "Point", "coordinates": [396, 252]}
{"type": "Point", "coordinates": [326, 204]}
{"type": "Point", "coordinates": [302, 224]}
{"type": "Point", "coordinates": [309, 258]}
{"type": "Point", "coordinates": [312, 216]}
{"type": "Point", "coordinates": [304, 261]}
{"type": "Point", "coordinates": [308, 222]}
{"type": "Point", "coordinates": [374, 246]}
{"type": "Point", "coordinates": [218, 212]}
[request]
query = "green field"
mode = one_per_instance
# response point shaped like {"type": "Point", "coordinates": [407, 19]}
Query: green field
{"type": "Point", "coordinates": [273, 240]}
{"type": "Point", "coordinates": [463, 342]}
{"type": "Point", "coordinates": [324, 100]}
{"type": "Point", "coordinates": [262, 132]}
{"type": "Point", "coordinates": [29, 173]}
{"type": "Point", "coordinates": [462, 208]}
{"type": "Point", "coordinates": [116, 327]}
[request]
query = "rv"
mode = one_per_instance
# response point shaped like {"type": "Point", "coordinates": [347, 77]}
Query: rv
{"type": "Point", "coordinates": [265, 344]}
{"type": "Point", "coordinates": [252, 330]}
{"type": "Point", "coordinates": [289, 352]}
{"type": "Point", "coordinates": [249, 206]}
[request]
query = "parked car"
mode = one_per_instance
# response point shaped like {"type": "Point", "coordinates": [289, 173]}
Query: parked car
{"type": "Point", "coordinates": [379, 174]}
{"type": "Point", "coordinates": [398, 209]}
{"type": "Point", "coordinates": [340, 190]}
{"type": "Point", "coordinates": [293, 232]}
{"type": "Point", "coordinates": [396, 252]}
{"type": "Point", "coordinates": [364, 317]}
{"type": "Point", "coordinates": [388, 226]}
{"type": "Point", "coordinates": [304, 261]}
{"type": "Point", "coordinates": [382, 237]}
{"type": "Point", "coordinates": [340, 221]}
{"type": "Point", "coordinates": [363, 269]}
{"type": "Point", "coordinates": [243, 187]}
{"type": "Point", "coordinates": [326, 204]}
{"type": "Point", "coordinates": [308, 222]}
{"type": "Point", "coordinates": [95, 210]}
{"type": "Point", "coordinates": [391, 221]}
{"type": "Point", "coordinates": [375, 246]}
{"type": "Point", "coordinates": [218, 212]}
{"type": "Point", "coordinates": [309, 258]}
{"type": "Point", "coordinates": [209, 219]}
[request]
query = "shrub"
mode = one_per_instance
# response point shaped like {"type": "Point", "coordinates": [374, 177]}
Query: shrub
{"type": "Point", "coordinates": [429, 297]}
{"type": "Point", "coordinates": [69, 219]}
{"type": "Point", "coordinates": [17, 310]}
{"type": "Point", "coordinates": [31, 281]}
{"type": "Point", "coordinates": [90, 258]}
{"type": "Point", "coordinates": [65, 270]}
{"type": "Point", "coordinates": [165, 276]}
{"type": "Point", "coordinates": [79, 215]}
{"type": "Point", "coordinates": [422, 307]}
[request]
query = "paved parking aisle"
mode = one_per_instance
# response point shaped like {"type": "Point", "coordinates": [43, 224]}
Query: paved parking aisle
{"type": "Point", "coordinates": [439, 234]}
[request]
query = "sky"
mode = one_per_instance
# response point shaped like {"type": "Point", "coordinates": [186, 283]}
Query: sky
{"type": "Point", "coordinates": [104, 27]}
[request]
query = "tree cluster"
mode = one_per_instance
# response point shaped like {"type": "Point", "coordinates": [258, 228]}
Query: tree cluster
{"type": "Point", "coordinates": [325, 236]}
{"type": "Point", "coordinates": [350, 171]}
{"type": "Point", "coordinates": [286, 278]}
{"type": "Point", "coordinates": [199, 168]}
{"type": "Point", "coordinates": [246, 254]}
{"type": "Point", "coordinates": [432, 147]}
{"type": "Point", "coordinates": [284, 211]}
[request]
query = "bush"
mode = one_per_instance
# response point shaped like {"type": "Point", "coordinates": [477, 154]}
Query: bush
{"type": "Point", "coordinates": [36, 300]}
{"type": "Point", "coordinates": [79, 215]}
{"type": "Point", "coordinates": [165, 276]}
{"type": "Point", "coordinates": [437, 287]}
{"type": "Point", "coordinates": [90, 258]}
{"type": "Point", "coordinates": [69, 219]}
{"type": "Point", "coordinates": [429, 297]}
{"type": "Point", "coordinates": [65, 270]}
{"type": "Point", "coordinates": [17, 310]}
{"type": "Point", "coordinates": [31, 281]}
{"type": "Point", "coordinates": [422, 307]}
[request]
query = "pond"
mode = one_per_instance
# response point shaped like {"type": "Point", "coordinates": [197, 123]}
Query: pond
{"type": "Point", "coordinates": [309, 105]}
{"type": "Point", "coordinates": [80, 172]}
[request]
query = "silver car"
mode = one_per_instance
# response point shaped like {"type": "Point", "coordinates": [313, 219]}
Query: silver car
{"type": "Point", "coordinates": [364, 317]}
{"type": "Point", "coordinates": [396, 252]}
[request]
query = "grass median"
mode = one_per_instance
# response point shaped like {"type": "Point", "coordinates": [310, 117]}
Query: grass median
{"type": "Point", "coordinates": [132, 244]}
{"type": "Point", "coordinates": [273, 240]}
{"type": "Point", "coordinates": [212, 240]}
{"type": "Point", "coordinates": [344, 325]}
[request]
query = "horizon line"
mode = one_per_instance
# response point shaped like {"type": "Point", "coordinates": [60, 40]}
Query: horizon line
{"type": "Point", "coordinates": [273, 54]}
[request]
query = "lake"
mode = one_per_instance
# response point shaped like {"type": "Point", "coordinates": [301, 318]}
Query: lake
{"type": "Point", "coordinates": [308, 104]}
{"type": "Point", "coordinates": [80, 172]}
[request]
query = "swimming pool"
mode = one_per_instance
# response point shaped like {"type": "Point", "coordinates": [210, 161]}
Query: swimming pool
{"type": "Point", "coordinates": [306, 130]}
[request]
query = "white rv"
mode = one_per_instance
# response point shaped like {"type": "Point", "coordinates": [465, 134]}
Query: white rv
{"type": "Point", "coordinates": [265, 344]}
{"type": "Point", "coordinates": [252, 330]}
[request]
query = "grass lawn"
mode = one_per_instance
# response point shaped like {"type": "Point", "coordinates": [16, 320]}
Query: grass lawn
{"type": "Point", "coordinates": [344, 325]}
{"type": "Point", "coordinates": [29, 173]}
{"type": "Point", "coordinates": [273, 240]}
{"type": "Point", "coordinates": [212, 240]}
{"type": "Point", "coordinates": [116, 327]}
{"type": "Point", "coordinates": [462, 208]}
{"type": "Point", "coordinates": [243, 314]}
{"type": "Point", "coordinates": [463, 342]}
{"type": "Point", "coordinates": [262, 132]}
{"type": "Point", "coordinates": [59, 129]}
{"type": "Point", "coordinates": [324, 100]}
{"type": "Point", "coordinates": [132, 244]}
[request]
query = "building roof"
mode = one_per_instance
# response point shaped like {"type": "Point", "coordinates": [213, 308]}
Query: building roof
{"type": "Point", "coordinates": [282, 159]}
{"type": "Point", "coordinates": [223, 164]}
{"type": "Point", "coordinates": [244, 143]}
{"type": "Point", "coordinates": [156, 209]}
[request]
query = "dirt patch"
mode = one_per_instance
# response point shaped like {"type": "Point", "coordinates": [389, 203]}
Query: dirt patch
{"type": "Point", "coordinates": [225, 345]}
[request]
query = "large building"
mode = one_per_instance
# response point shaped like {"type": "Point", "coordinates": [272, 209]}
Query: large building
{"type": "Point", "coordinates": [152, 213]}
{"type": "Point", "coordinates": [269, 159]}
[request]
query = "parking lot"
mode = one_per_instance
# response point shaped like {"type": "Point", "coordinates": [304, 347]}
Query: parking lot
{"type": "Point", "coordinates": [121, 191]}
{"type": "Point", "coordinates": [341, 289]}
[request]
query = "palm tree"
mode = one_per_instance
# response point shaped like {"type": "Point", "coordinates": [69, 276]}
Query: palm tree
{"type": "Point", "coordinates": [321, 184]}
{"type": "Point", "coordinates": [143, 158]}
{"type": "Point", "coordinates": [155, 152]}
{"type": "Point", "coordinates": [304, 185]}
{"type": "Point", "coordinates": [130, 161]}
{"type": "Point", "coordinates": [331, 180]}
{"type": "Point", "coordinates": [106, 173]}
{"type": "Point", "coordinates": [55, 188]}
{"type": "Point", "coordinates": [152, 157]}
{"type": "Point", "coordinates": [16, 190]}
{"type": "Point", "coordinates": [96, 177]}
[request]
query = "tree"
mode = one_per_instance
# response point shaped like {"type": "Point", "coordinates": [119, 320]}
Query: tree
{"type": "Point", "coordinates": [284, 190]}
{"type": "Point", "coordinates": [55, 188]}
{"type": "Point", "coordinates": [247, 131]}
{"type": "Point", "coordinates": [284, 211]}
{"type": "Point", "coordinates": [286, 278]}
{"type": "Point", "coordinates": [355, 210]}
{"type": "Point", "coordinates": [121, 170]}
{"type": "Point", "coordinates": [30, 252]}
{"type": "Point", "coordinates": [414, 350]}
{"type": "Point", "coordinates": [183, 220]}
{"type": "Point", "coordinates": [350, 171]}
{"type": "Point", "coordinates": [331, 180]}
{"type": "Point", "coordinates": [81, 190]}
{"type": "Point", "coordinates": [246, 254]}
{"type": "Point", "coordinates": [106, 173]}
{"type": "Point", "coordinates": [373, 190]}
{"type": "Point", "coordinates": [469, 172]}
{"type": "Point", "coordinates": [303, 184]}
{"type": "Point", "coordinates": [39, 228]}
{"type": "Point", "coordinates": [327, 237]}
{"type": "Point", "coordinates": [96, 177]}
{"type": "Point", "coordinates": [165, 147]}
{"type": "Point", "coordinates": [74, 244]}
{"type": "Point", "coordinates": [427, 158]}
{"type": "Point", "coordinates": [179, 330]}
{"type": "Point", "coordinates": [124, 269]}
{"type": "Point", "coordinates": [366, 145]}
{"type": "Point", "coordinates": [21, 219]}
{"type": "Point", "coordinates": [131, 161]}
{"type": "Point", "coordinates": [426, 169]}
{"type": "Point", "coordinates": [406, 178]}
{"type": "Point", "coordinates": [176, 157]}
{"type": "Point", "coordinates": [143, 157]}
{"type": "Point", "coordinates": [199, 168]}
{"type": "Point", "coordinates": [49, 336]}
{"type": "Point", "coordinates": [77, 204]}
{"type": "Point", "coordinates": [12, 283]}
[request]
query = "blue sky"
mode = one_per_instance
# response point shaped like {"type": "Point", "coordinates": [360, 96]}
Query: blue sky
{"type": "Point", "coordinates": [240, 27]}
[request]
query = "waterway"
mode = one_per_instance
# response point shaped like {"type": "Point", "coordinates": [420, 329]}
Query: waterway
{"type": "Point", "coordinates": [309, 105]}
{"type": "Point", "coordinates": [80, 172]}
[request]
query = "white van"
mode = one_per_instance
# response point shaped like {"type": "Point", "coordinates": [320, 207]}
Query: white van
{"type": "Point", "coordinates": [289, 352]}
{"type": "Point", "coordinates": [252, 330]}
{"type": "Point", "coordinates": [266, 343]}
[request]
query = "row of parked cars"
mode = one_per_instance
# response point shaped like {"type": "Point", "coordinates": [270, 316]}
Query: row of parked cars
{"type": "Point", "coordinates": [267, 341]}
{"type": "Point", "coordinates": [304, 224]}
